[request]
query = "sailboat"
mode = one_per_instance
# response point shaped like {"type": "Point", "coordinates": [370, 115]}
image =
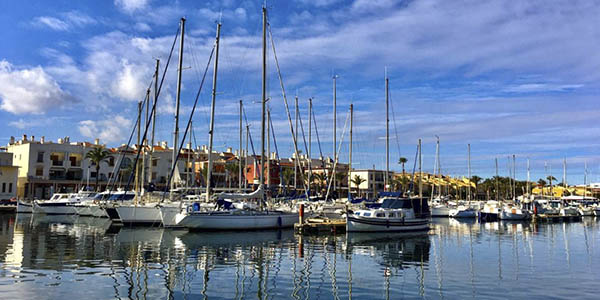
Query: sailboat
{"type": "Point", "coordinates": [512, 211]}
{"type": "Point", "coordinates": [465, 211]}
{"type": "Point", "coordinates": [237, 218]}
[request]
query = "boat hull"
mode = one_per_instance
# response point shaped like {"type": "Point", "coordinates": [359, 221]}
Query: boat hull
{"type": "Point", "coordinates": [60, 208]}
{"type": "Point", "coordinates": [488, 216]}
{"type": "Point", "coordinates": [440, 211]}
{"type": "Point", "coordinates": [463, 213]}
{"type": "Point", "coordinates": [229, 221]}
{"type": "Point", "coordinates": [354, 224]}
{"type": "Point", "coordinates": [513, 216]}
{"type": "Point", "coordinates": [139, 215]}
{"type": "Point", "coordinates": [24, 207]}
{"type": "Point", "coordinates": [168, 215]}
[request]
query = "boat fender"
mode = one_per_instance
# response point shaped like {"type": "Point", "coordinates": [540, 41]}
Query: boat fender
{"type": "Point", "coordinates": [279, 221]}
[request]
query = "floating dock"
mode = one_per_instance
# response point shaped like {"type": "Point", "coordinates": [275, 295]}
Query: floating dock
{"type": "Point", "coordinates": [320, 225]}
{"type": "Point", "coordinates": [543, 218]}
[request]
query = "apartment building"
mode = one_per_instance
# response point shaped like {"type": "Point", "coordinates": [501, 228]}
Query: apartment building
{"type": "Point", "coordinates": [8, 176]}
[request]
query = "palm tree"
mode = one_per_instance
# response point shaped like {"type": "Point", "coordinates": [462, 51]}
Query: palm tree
{"type": "Point", "coordinates": [321, 179]}
{"type": "Point", "coordinates": [541, 182]}
{"type": "Point", "coordinates": [550, 178]}
{"type": "Point", "coordinates": [402, 161]}
{"type": "Point", "coordinates": [287, 176]}
{"type": "Point", "coordinates": [476, 179]}
{"type": "Point", "coordinates": [357, 181]}
{"type": "Point", "coordinates": [232, 171]}
{"type": "Point", "coordinates": [96, 156]}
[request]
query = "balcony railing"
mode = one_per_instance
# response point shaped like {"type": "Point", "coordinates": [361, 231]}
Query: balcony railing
{"type": "Point", "coordinates": [57, 162]}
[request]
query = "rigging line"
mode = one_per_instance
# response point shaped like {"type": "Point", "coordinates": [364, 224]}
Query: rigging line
{"type": "Point", "coordinates": [276, 150]}
{"type": "Point", "coordinates": [189, 124]}
{"type": "Point", "coordinates": [192, 46]}
{"type": "Point", "coordinates": [318, 140]}
{"type": "Point", "coordinates": [395, 125]}
{"type": "Point", "coordinates": [153, 109]}
{"type": "Point", "coordinates": [335, 162]}
{"type": "Point", "coordinates": [287, 108]}
{"type": "Point", "coordinates": [248, 130]}
{"type": "Point", "coordinates": [412, 179]}
{"type": "Point", "coordinates": [303, 136]}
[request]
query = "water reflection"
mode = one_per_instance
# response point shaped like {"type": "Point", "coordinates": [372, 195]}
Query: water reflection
{"type": "Point", "coordinates": [62, 257]}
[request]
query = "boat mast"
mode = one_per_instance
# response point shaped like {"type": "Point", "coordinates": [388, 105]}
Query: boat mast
{"type": "Point", "coordinates": [350, 152]}
{"type": "Point", "coordinates": [145, 141]}
{"type": "Point", "coordinates": [177, 101]}
{"type": "Point", "coordinates": [296, 160]}
{"type": "Point", "coordinates": [334, 128]}
{"type": "Point", "coordinates": [189, 153]}
{"type": "Point", "coordinates": [497, 191]}
{"type": "Point", "coordinates": [564, 172]}
{"type": "Point", "coordinates": [387, 134]}
{"type": "Point", "coordinates": [212, 113]}
{"type": "Point", "coordinates": [310, 178]}
{"type": "Point", "coordinates": [469, 172]}
{"type": "Point", "coordinates": [528, 177]}
{"type": "Point", "coordinates": [585, 180]}
{"type": "Point", "coordinates": [435, 166]}
{"type": "Point", "coordinates": [420, 172]}
{"type": "Point", "coordinates": [268, 147]}
{"type": "Point", "coordinates": [137, 166]}
{"type": "Point", "coordinates": [263, 98]}
{"type": "Point", "coordinates": [153, 122]}
{"type": "Point", "coordinates": [240, 151]}
{"type": "Point", "coordinates": [514, 178]}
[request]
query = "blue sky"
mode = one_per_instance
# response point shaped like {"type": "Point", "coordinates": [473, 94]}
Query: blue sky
{"type": "Point", "coordinates": [508, 77]}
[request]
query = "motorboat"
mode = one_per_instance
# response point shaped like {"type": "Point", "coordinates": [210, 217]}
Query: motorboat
{"type": "Point", "coordinates": [24, 207]}
{"type": "Point", "coordinates": [511, 211]}
{"type": "Point", "coordinates": [58, 204]}
{"type": "Point", "coordinates": [490, 211]}
{"type": "Point", "coordinates": [463, 211]}
{"type": "Point", "coordinates": [394, 214]}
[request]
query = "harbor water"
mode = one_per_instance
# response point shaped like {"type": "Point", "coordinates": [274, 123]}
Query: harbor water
{"type": "Point", "coordinates": [69, 257]}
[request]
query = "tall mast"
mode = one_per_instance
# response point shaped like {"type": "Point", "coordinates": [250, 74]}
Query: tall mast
{"type": "Point", "coordinates": [387, 134]}
{"type": "Point", "coordinates": [435, 165]}
{"type": "Point", "coordinates": [469, 172]}
{"type": "Point", "coordinates": [212, 113]}
{"type": "Point", "coordinates": [246, 157]}
{"type": "Point", "coordinates": [564, 172]}
{"type": "Point", "coordinates": [268, 147]}
{"type": "Point", "coordinates": [240, 151]}
{"type": "Point", "coordinates": [350, 152]}
{"type": "Point", "coordinates": [514, 178]}
{"type": "Point", "coordinates": [528, 177]}
{"type": "Point", "coordinates": [420, 173]}
{"type": "Point", "coordinates": [177, 101]}
{"type": "Point", "coordinates": [153, 121]}
{"type": "Point", "coordinates": [137, 166]}
{"type": "Point", "coordinates": [296, 161]}
{"type": "Point", "coordinates": [264, 97]}
{"type": "Point", "coordinates": [189, 153]}
{"type": "Point", "coordinates": [585, 180]}
{"type": "Point", "coordinates": [497, 177]}
{"type": "Point", "coordinates": [145, 141]}
{"type": "Point", "coordinates": [309, 144]}
{"type": "Point", "coordinates": [334, 128]}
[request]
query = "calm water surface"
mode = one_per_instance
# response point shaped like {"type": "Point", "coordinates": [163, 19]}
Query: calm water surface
{"type": "Point", "coordinates": [59, 257]}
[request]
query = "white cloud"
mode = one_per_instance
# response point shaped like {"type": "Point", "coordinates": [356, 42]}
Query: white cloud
{"type": "Point", "coordinates": [52, 22]}
{"type": "Point", "coordinates": [29, 90]}
{"type": "Point", "coordinates": [141, 26]}
{"type": "Point", "coordinates": [128, 83]}
{"type": "Point", "coordinates": [131, 6]}
{"type": "Point", "coordinates": [113, 129]}
{"type": "Point", "coordinates": [367, 5]}
{"type": "Point", "coordinates": [542, 87]}
{"type": "Point", "coordinates": [318, 3]}
{"type": "Point", "coordinates": [67, 21]}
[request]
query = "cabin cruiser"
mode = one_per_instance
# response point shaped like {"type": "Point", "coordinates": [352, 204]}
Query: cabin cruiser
{"type": "Point", "coordinates": [511, 211]}
{"type": "Point", "coordinates": [490, 211]}
{"type": "Point", "coordinates": [58, 204]}
{"type": "Point", "coordinates": [440, 207]}
{"type": "Point", "coordinates": [395, 214]}
{"type": "Point", "coordinates": [463, 211]}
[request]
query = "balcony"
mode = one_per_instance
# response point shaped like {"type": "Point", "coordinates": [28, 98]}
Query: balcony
{"type": "Point", "coordinates": [57, 163]}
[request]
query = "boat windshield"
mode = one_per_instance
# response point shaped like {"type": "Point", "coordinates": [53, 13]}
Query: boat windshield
{"type": "Point", "coordinates": [396, 203]}
{"type": "Point", "coordinates": [122, 197]}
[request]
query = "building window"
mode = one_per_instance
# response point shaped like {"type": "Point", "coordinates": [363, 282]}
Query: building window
{"type": "Point", "coordinates": [10, 187]}
{"type": "Point", "coordinates": [4, 187]}
{"type": "Point", "coordinates": [111, 161]}
{"type": "Point", "coordinates": [39, 171]}
{"type": "Point", "coordinates": [40, 157]}
{"type": "Point", "coordinates": [155, 162]}
{"type": "Point", "coordinates": [93, 175]}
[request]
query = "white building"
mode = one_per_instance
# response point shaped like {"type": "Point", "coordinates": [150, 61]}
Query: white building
{"type": "Point", "coordinates": [8, 176]}
{"type": "Point", "coordinates": [373, 182]}
{"type": "Point", "coordinates": [46, 167]}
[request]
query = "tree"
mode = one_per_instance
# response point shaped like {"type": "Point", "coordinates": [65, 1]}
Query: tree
{"type": "Point", "coordinates": [476, 179]}
{"type": "Point", "coordinates": [541, 183]}
{"type": "Point", "coordinates": [288, 174]}
{"type": "Point", "coordinates": [357, 181]}
{"type": "Point", "coordinates": [96, 156]}
{"type": "Point", "coordinates": [232, 171]}
{"type": "Point", "coordinates": [402, 161]}
{"type": "Point", "coordinates": [550, 178]}
{"type": "Point", "coordinates": [321, 179]}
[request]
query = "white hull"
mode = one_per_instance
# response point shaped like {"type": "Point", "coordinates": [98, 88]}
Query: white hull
{"type": "Point", "coordinates": [440, 211]}
{"type": "Point", "coordinates": [168, 215]}
{"type": "Point", "coordinates": [236, 220]}
{"type": "Point", "coordinates": [55, 209]}
{"type": "Point", "coordinates": [98, 211]}
{"type": "Point", "coordinates": [459, 213]}
{"type": "Point", "coordinates": [569, 212]}
{"type": "Point", "coordinates": [83, 210]}
{"type": "Point", "coordinates": [354, 224]}
{"type": "Point", "coordinates": [24, 207]}
{"type": "Point", "coordinates": [130, 214]}
{"type": "Point", "coordinates": [512, 216]}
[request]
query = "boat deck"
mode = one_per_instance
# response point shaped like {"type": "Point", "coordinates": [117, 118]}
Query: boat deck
{"type": "Point", "coordinates": [320, 225]}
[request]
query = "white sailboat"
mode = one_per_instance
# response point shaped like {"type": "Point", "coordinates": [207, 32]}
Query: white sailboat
{"type": "Point", "coordinates": [58, 204]}
{"type": "Point", "coordinates": [465, 210]}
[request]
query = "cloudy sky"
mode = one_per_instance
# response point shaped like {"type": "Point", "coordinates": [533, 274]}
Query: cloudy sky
{"type": "Point", "coordinates": [508, 77]}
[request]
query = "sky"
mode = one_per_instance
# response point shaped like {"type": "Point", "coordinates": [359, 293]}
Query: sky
{"type": "Point", "coordinates": [507, 77]}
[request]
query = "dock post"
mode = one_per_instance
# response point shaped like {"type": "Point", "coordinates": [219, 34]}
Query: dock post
{"type": "Point", "coordinates": [301, 214]}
